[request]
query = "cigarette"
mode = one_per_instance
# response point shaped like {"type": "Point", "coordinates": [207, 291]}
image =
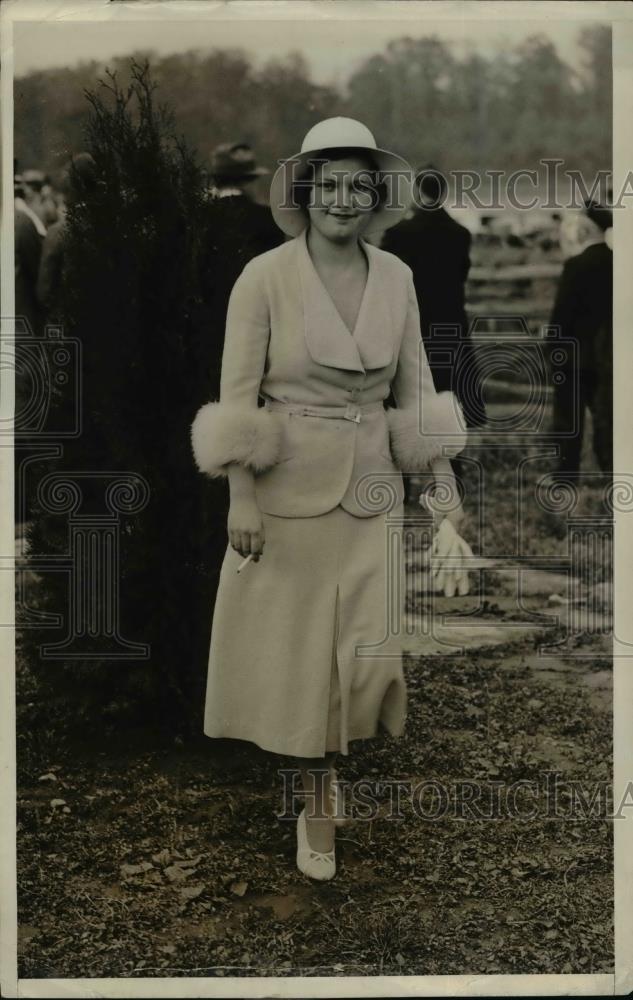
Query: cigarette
{"type": "Point", "coordinates": [245, 563]}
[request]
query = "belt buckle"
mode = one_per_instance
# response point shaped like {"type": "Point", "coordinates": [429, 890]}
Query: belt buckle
{"type": "Point", "coordinates": [352, 413]}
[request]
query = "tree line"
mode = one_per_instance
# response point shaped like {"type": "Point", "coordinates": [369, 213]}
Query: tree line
{"type": "Point", "coordinates": [506, 111]}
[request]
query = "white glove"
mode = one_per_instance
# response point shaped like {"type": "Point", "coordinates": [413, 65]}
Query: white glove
{"type": "Point", "coordinates": [448, 561]}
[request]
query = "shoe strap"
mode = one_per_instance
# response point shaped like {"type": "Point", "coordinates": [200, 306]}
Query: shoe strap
{"type": "Point", "coordinates": [321, 856]}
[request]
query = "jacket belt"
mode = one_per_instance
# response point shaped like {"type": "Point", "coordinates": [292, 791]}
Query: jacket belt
{"type": "Point", "coordinates": [348, 412]}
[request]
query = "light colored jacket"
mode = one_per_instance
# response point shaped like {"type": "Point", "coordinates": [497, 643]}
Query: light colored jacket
{"type": "Point", "coordinates": [287, 345]}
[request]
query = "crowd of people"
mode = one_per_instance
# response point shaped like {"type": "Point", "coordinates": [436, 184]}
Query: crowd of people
{"type": "Point", "coordinates": [40, 221]}
{"type": "Point", "coordinates": [435, 246]}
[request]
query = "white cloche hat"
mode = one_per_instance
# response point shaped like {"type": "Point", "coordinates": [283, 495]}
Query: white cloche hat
{"type": "Point", "coordinates": [341, 133]}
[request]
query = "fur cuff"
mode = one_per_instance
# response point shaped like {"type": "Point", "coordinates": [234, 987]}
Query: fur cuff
{"type": "Point", "coordinates": [223, 434]}
{"type": "Point", "coordinates": [441, 432]}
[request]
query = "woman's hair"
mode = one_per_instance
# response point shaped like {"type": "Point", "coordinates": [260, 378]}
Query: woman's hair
{"type": "Point", "coordinates": [301, 191]}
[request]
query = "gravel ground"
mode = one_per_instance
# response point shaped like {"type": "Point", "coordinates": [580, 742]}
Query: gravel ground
{"type": "Point", "coordinates": [139, 859]}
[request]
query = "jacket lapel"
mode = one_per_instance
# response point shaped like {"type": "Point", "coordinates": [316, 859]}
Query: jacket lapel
{"type": "Point", "coordinates": [328, 340]}
{"type": "Point", "coordinates": [373, 333]}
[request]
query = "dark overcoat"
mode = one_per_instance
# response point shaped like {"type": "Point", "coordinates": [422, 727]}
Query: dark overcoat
{"type": "Point", "coordinates": [437, 249]}
{"type": "Point", "coordinates": [582, 371]}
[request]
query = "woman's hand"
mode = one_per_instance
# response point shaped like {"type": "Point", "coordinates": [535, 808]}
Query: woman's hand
{"type": "Point", "coordinates": [450, 552]}
{"type": "Point", "coordinates": [246, 527]}
{"type": "Point", "coordinates": [455, 516]}
{"type": "Point", "coordinates": [449, 561]}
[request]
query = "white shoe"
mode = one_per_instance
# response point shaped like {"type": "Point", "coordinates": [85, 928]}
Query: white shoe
{"type": "Point", "coordinates": [314, 864]}
{"type": "Point", "coordinates": [337, 802]}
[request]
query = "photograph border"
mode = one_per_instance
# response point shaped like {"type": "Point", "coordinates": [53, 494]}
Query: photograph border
{"type": "Point", "coordinates": [621, 982]}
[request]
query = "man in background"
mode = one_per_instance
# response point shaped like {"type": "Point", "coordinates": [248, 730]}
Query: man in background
{"type": "Point", "coordinates": [238, 229]}
{"type": "Point", "coordinates": [46, 208]}
{"type": "Point", "coordinates": [29, 235]}
{"type": "Point", "coordinates": [583, 313]}
{"type": "Point", "coordinates": [79, 181]}
{"type": "Point", "coordinates": [437, 249]}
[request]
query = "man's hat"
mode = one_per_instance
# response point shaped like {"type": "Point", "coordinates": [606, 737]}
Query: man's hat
{"type": "Point", "coordinates": [600, 214]}
{"type": "Point", "coordinates": [235, 161]}
{"type": "Point", "coordinates": [34, 178]}
{"type": "Point", "coordinates": [431, 182]}
{"type": "Point", "coordinates": [82, 170]}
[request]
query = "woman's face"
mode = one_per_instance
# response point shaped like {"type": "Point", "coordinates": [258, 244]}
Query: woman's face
{"type": "Point", "coordinates": [342, 200]}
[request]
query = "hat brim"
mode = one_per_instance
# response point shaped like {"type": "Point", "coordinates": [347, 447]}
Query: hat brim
{"type": "Point", "coordinates": [292, 220]}
{"type": "Point", "coordinates": [247, 175]}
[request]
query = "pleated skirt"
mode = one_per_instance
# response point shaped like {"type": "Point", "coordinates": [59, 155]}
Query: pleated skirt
{"type": "Point", "coordinates": [305, 646]}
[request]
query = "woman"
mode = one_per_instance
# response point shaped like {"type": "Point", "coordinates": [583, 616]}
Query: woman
{"type": "Point", "coordinates": [303, 658]}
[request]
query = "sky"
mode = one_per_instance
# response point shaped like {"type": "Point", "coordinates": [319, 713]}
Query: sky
{"type": "Point", "coordinates": [333, 45]}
